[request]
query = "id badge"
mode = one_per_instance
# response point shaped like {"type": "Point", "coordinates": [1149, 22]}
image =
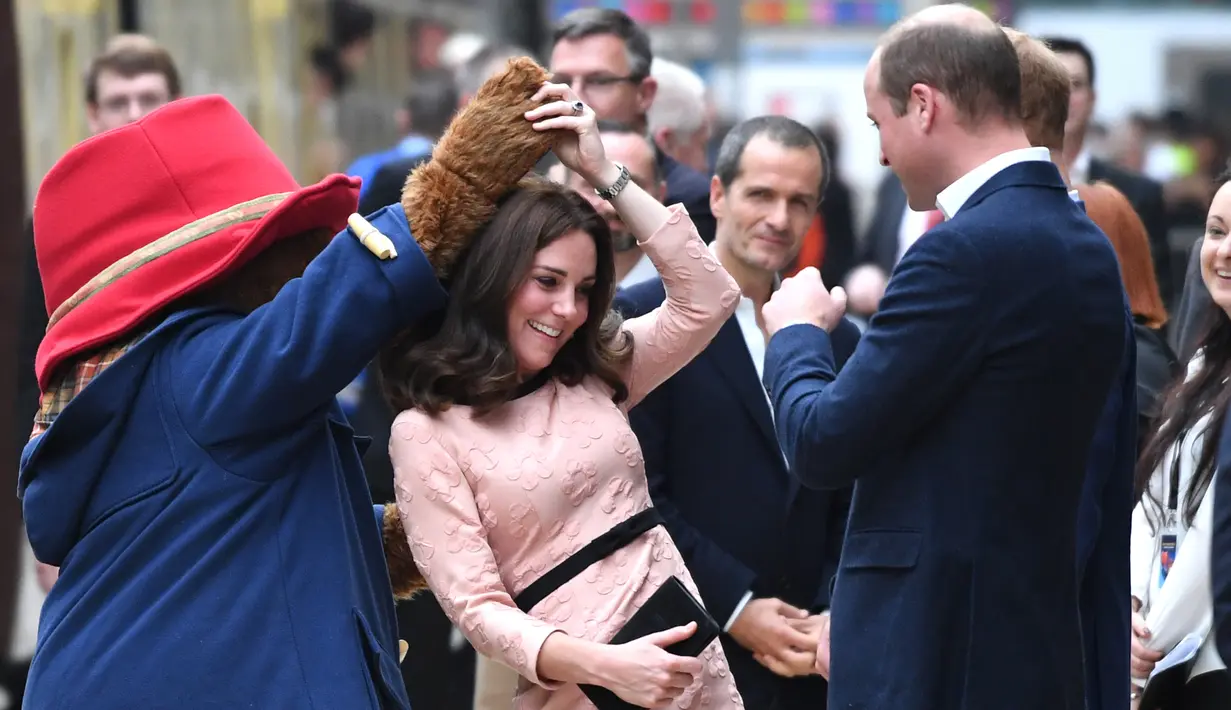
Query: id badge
{"type": "Point", "coordinates": [1166, 555]}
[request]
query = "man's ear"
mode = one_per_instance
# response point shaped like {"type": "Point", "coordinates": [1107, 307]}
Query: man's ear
{"type": "Point", "coordinates": [718, 197]}
{"type": "Point", "coordinates": [91, 117]}
{"type": "Point", "coordinates": [646, 92]}
{"type": "Point", "coordinates": [664, 137]}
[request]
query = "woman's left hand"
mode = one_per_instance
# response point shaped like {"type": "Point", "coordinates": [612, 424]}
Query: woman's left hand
{"type": "Point", "coordinates": [580, 149]}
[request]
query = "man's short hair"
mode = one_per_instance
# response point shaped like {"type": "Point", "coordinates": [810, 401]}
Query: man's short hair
{"type": "Point", "coordinates": [1069, 45]}
{"type": "Point", "coordinates": [977, 69]}
{"type": "Point", "coordinates": [431, 103]}
{"type": "Point", "coordinates": [483, 65]}
{"type": "Point", "coordinates": [130, 55]}
{"type": "Point", "coordinates": [592, 21]}
{"type": "Point", "coordinates": [679, 103]}
{"type": "Point", "coordinates": [779, 129]}
{"type": "Point", "coordinates": [1046, 86]}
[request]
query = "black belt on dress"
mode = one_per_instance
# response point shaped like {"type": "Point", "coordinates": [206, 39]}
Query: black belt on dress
{"type": "Point", "coordinates": [620, 535]}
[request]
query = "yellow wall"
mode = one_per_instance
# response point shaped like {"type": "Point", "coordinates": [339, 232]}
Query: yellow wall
{"type": "Point", "coordinates": [254, 52]}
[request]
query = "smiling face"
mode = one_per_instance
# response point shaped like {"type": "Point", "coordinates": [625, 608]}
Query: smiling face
{"type": "Point", "coordinates": [553, 301]}
{"type": "Point", "coordinates": [1216, 249]}
{"type": "Point", "coordinates": [766, 211]}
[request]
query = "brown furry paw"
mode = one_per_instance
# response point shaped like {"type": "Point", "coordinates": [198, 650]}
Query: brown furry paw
{"type": "Point", "coordinates": [404, 574]}
{"type": "Point", "coordinates": [488, 147]}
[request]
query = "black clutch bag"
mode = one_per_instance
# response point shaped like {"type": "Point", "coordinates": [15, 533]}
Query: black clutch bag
{"type": "Point", "coordinates": [671, 606]}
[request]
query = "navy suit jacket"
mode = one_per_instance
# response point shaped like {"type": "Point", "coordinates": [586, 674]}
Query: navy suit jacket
{"type": "Point", "coordinates": [740, 519]}
{"type": "Point", "coordinates": [1104, 529]}
{"type": "Point", "coordinates": [1220, 545]}
{"type": "Point", "coordinates": [966, 416]}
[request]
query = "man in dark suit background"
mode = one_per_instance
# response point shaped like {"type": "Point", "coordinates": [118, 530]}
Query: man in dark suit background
{"type": "Point", "coordinates": [605, 57]}
{"type": "Point", "coordinates": [1145, 194]}
{"type": "Point", "coordinates": [131, 77]}
{"type": "Point", "coordinates": [966, 415]}
{"type": "Point", "coordinates": [761, 549]}
{"type": "Point", "coordinates": [1105, 518]}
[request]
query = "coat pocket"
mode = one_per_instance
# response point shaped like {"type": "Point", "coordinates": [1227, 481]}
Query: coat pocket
{"type": "Point", "coordinates": [387, 688]}
{"type": "Point", "coordinates": [881, 549]}
{"type": "Point", "coordinates": [345, 437]}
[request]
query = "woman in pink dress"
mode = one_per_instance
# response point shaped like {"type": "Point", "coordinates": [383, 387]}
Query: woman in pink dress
{"type": "Point", "coordinates": [513, 449]}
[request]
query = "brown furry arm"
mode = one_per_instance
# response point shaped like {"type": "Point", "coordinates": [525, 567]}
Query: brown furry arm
{"type": "Point", "coordinates": [488, 147]}
{"type": "Point", "coordinates": [403, 572]}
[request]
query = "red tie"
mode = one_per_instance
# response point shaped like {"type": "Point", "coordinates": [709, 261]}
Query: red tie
{"type": "Point", "coordinates": [935, 217]}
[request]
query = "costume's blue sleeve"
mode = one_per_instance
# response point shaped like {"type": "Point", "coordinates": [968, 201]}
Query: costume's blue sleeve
{"type": "Point", "coordinates": [239, 377]}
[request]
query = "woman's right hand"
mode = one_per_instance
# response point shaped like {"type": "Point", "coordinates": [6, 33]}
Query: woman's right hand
{"type": "Point", "coordinates": [1143, 658]}
{"type": "Point", "coordinates": [643, 673]}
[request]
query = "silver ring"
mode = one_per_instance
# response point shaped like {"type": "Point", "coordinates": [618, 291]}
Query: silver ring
{"type": "Point", "coordinates": [578, 107]}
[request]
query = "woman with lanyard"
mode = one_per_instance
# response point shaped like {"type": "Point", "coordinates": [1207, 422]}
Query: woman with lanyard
{"type": "Point", "coordinates": [1172, 522]}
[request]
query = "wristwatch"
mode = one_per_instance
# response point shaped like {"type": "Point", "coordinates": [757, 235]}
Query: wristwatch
{"type": "Point", "coordinates": [609, 193]}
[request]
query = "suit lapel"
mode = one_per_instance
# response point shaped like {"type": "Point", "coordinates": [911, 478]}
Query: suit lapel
{"type": "Point", "coordinates": [729, 354]}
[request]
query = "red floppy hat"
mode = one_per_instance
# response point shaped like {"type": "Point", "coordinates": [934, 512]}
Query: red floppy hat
{"type": "Point", "coordinates": [132, 219]}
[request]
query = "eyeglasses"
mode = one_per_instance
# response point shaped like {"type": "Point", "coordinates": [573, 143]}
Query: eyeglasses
{"type": "Point", "coordinates": [598, 82]}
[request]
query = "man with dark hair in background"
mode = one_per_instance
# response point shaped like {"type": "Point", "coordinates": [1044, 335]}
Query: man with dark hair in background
{"type": "Point", "coordinates": [1145, 194]}
{"type": "Point", "coordinates": [606, 58]}
{"type": "Point", "coordinates": [635, 151]}
{"type": "Point", "coordinates": [1105, 519]}
{"type": "Point", "coordinates": [958, 579]}
{"type": "Point", "coordinates": [761, 548]}
{"type": "Point", "coordinates": [131, 77]}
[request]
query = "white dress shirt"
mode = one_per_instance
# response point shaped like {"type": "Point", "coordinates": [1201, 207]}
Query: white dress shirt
{"type": "Point", "coordinates": [953, 198]}
{"type": "Point", "coordinates": [643, 270]}
{"type": "Point", "coordinates": [910, 228]}
{"type": "Point", "coordinates": [754, 338]}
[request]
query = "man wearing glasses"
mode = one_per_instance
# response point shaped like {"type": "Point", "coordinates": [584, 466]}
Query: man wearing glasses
{"type": "Point", "coordinates": [605, 57]}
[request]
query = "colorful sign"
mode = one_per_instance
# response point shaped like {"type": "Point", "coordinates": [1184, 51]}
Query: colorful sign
{"type": "Point", "coordinates": [822, 13]}
{"type": "Point", "coordinates": [649, 13]}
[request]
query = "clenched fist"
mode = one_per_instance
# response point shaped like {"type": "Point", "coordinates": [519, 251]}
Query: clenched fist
{"type": "Point", "coordinates": [803, 298]}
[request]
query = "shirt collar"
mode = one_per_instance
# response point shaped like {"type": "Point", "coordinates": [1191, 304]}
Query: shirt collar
{"type": "Point", "coordinates": [952, 198]}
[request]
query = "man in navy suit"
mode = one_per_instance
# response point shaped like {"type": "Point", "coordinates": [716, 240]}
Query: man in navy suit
{"type": "Point", "coordinates": [1105, 519]}
{"type": "Point", "coordinates": [761, 549]}
{"type": "Point", "coordinates": [965, 416]}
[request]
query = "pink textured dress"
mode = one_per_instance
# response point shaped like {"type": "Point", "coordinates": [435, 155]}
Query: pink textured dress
{"type": "Point", "coordinates": [490, 505]}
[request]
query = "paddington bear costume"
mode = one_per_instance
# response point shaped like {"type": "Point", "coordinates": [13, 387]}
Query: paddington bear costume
{"type": "Point", "coordinates": [191, 472]}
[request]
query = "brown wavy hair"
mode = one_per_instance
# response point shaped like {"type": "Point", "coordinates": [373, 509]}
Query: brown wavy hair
{"type": "Point", "coordinates": [463, 356]}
